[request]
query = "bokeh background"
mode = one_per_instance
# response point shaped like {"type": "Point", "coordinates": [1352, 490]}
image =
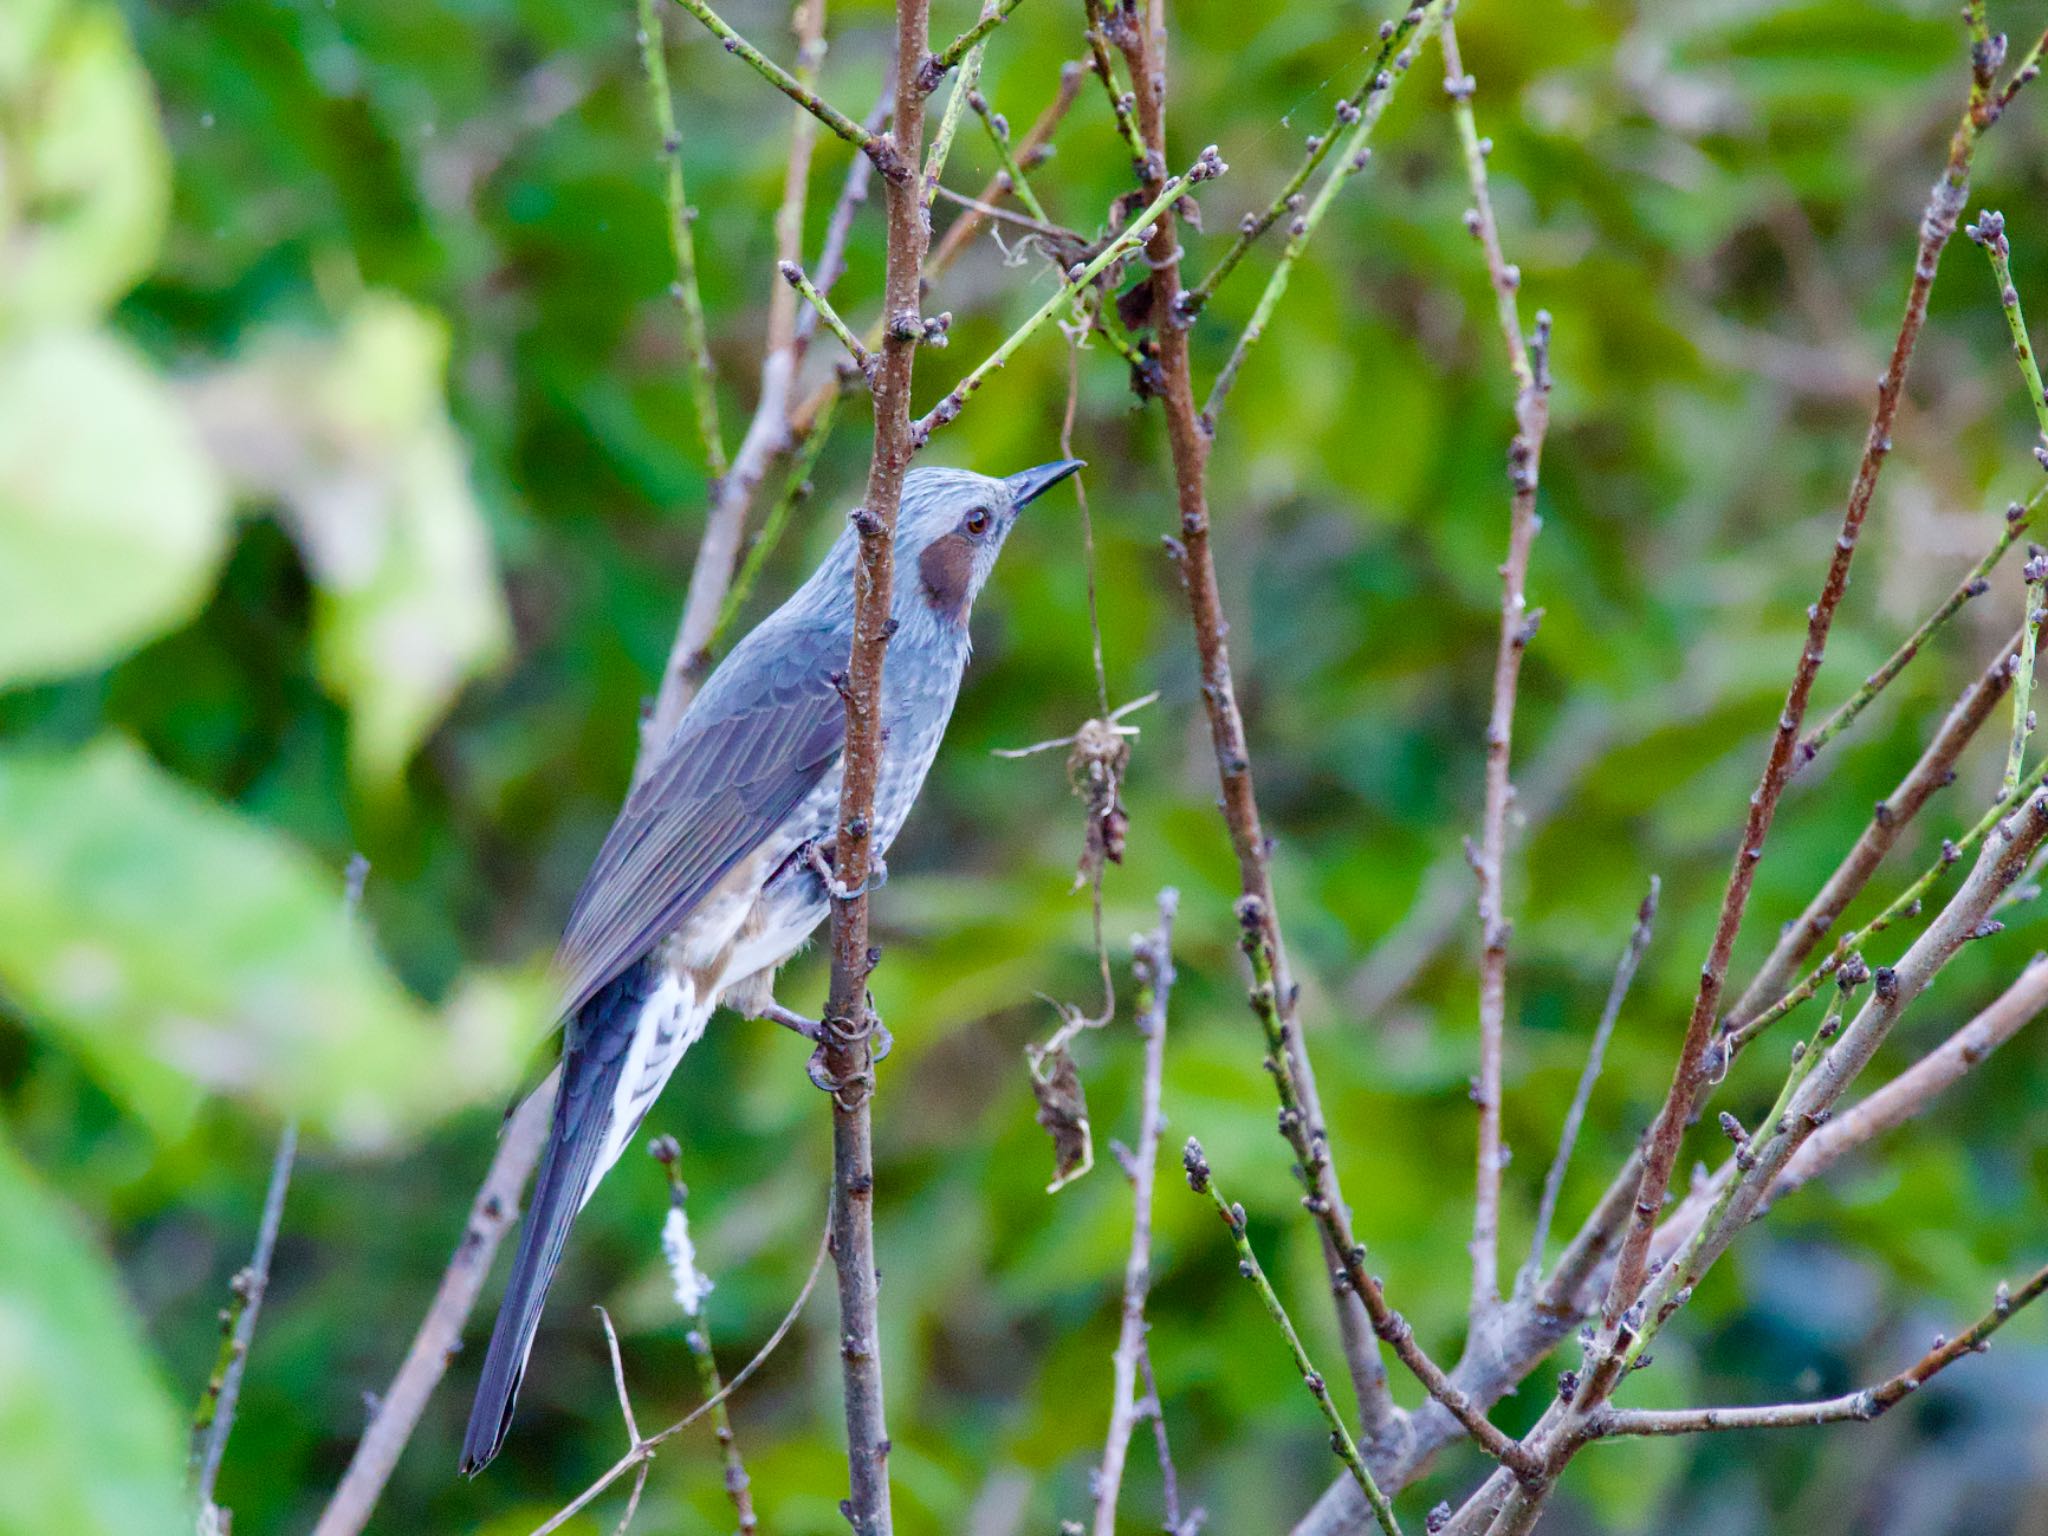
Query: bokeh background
{"type": "Point", "coordinates": [347, 489]}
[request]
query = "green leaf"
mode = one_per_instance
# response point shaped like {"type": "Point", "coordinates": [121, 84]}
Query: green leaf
{"type": "Point", "coordinates": [351, 438]}
{"type": "Point", "coordinates": [89, 176]}
{"type": "Point", "coordinates": [112, 520]}
{"type": "Point", "coordinates": [89, 1437]}
{"type": "Point", "coordinates": [183, 949]}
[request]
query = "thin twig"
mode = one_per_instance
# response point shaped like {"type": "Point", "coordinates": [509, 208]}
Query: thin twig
{"type": "Point", "coordinates": [214, 1419]}
{"type": "Point", "coordinates": [645, 1448]}
{"type": "Point", "coordinates": [993, 15]}
{"type": "Point", "coordinates": [2023, 674]}
{"type": "Point", "coordinates": [793, 275]}
{"type": "Point", "coordinates": [1176, 1523]}
{"type": "Point", "coordinates": [1203, 1182]}
{"type": "Point", "coordinates": [1854, 1406]}
{"type": "Point", "coordinates": [1312, 1153]}
{"type": "Point", "coordinates": [1152, 965]}
{"type": "Point", "coordinates": [1989, 232]}
{"type": "Point", "coordinates": [1617, 992]}
{"type": "Point", "coordinates": [682, 242]}
{"type": "Point", "coordinates": [878, 148]}
{"type": "Point", "coordinates": [1394, 37]}
{"type": "Point", "coordinates": [1528, 362]}
{"type": "Point", "coordinates": [949, 125]}
{"type": "Point", "coordinates": [1353, 158]}
{"type": "Point", "coordinates": [1120, 101]}
{"type": "Point", "coordinates": [1207, 166]}
{"type": "Point", "coordinates": [691, 1289]}
{"type": "Point", "coordinates": [2018, 515]}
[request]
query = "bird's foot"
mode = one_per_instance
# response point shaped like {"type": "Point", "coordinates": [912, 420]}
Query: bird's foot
{"type": "Point", "coordinates": [789, 1018]}
{"type": "Point", "coordinates": [841, 1033]}
{"type": "Point", "coordinates": [821, 865]}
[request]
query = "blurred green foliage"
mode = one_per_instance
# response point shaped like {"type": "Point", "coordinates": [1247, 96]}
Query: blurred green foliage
{"type": "Point", "coordinates": [347, 489]}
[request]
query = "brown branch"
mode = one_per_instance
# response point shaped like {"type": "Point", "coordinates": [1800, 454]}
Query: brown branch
{"type": "Point", "coordinates": [1152, 963]}
{"type": "Point", "coordinates": [1145, 49]}
{"type": "Point", "coordinates": [1312, 1157]}
{"type": "Point", "coordinates": [1529, 364]}
{"type": "Point", "coordinates": [1694, 1071]}
{"type": "Point", "coordinates": [1854, 1406]}
{"type": "Point", "coordinates": [848, 1058]}
{"type": "Point", "coordinates": [1934, 769]}
{"type": "Point", "coordinates": [439, 1335]}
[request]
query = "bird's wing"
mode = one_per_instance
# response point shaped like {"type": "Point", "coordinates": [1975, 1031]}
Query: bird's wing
{"type": "Point", "coordinates": [757, 742]}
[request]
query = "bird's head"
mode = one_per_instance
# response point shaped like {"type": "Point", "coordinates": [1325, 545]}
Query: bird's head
{"type": "Point", "coordinates": [950, 530]}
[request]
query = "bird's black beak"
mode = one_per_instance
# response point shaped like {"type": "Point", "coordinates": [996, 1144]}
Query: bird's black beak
{"type": "Point", "coordinates": [1027, 485]}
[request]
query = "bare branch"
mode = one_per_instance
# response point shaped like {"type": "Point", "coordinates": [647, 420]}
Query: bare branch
{"type": "Point", "coordinates": [847, 1055]}
{"type": "Point", "coordinates": [1854, 1406]}
{"type": "Point", "coordinates": [1353, 158]}
{"type": "Point", "coordinates": [1203, 1182]}
{"type": "Point", "coordinates": [1693, 1071]}
{"type": "Point", "coordinates": [887, 155]}
{"type": "Point", "coordinates": [993, 15]}
{"type": "Point", "coordinates": [770, 429]}
{"type": "Point", "coordinates": [1152, 962]}
{"type": "Point", "coordinates": [1394, 38]}
{"type": "Point", "coordinates": [1553, 1182]}
{"type": "Point", "coordinates": [1145, 51]}
{"type": "Point", "coordinates": [1530, 366]}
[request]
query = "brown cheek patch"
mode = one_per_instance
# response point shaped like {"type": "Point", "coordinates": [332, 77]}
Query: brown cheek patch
{"type": "Point", "coordinates": [947, 566]}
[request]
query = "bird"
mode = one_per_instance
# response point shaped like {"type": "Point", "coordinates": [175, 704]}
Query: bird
{"type": "Point", "coordinates": [718, 869]}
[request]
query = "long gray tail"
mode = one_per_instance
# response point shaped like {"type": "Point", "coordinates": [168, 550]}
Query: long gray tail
{"type": "Point", "coordinates": [593, 1059]}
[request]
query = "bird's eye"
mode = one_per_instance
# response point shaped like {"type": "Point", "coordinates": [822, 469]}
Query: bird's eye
{"type": "Point", "coordinates": [977, 521]}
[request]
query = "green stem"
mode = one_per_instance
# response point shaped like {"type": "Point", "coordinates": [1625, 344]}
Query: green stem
{"type": "Point", "coordinates": [1006, 159]}
{"type": "Point", "coordinates": [1205, 168]}
{"type": "Point", "coordinates": [1394, 37]}
{"type": "Point", "coordinates": [992, 16]}
{"type": "Point", "coordinates": [1119, 100]}
{"type": "Point", "coordinates": [682, 242]}
{"type": "Point", "coordinates": [1904, 905]}
{"type": "Point", "coordinates": [949, 125]}
{"type": "Point", "coordinates": [2017, 518]}
{"type": "Point", "coordinates": [1989, 232]}
{"type": "Point", "coordinates": [2023, 675]}
{"type": "Point", "coordinates": [1355, 153]}
{"type": "Point", "coordinates": [877, 147]}
{"type": "Point", "coordinates": [794, 276]}
{"type": "Point", "coordinates": [1203, 1181]}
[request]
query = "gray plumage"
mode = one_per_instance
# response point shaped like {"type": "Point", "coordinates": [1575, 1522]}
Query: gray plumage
{"type": "Point", "coordinates": [705, 885]}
